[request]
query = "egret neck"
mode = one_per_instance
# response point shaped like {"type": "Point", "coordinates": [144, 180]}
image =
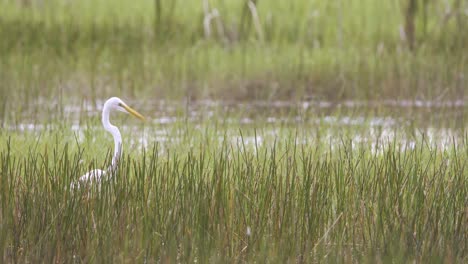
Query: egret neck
{"type": "Point", "coordinates": [115, 134]}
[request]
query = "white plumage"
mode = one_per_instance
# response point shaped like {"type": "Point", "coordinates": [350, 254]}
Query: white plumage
{"type": "Point", "coordinates": [113, 103]}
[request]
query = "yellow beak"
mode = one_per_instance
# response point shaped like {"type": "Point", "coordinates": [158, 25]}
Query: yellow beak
{"type": "Point", "coordinates": [133, 112]}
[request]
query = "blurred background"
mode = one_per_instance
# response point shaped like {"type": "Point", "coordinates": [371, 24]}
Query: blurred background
{"type": "Point", "coordinates": [67, 51]}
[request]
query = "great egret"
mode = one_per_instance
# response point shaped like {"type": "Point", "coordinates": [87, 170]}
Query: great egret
{"type": "Point", "coordinates": [113, 103]}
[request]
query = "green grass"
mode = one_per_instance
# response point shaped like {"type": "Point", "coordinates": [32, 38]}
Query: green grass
{"type": "Point", "coordinates": [309, 49]}
{"type": "Point", "coordinates": [302, 195]}
{"type": "Point", "coordinates": [240, 178]}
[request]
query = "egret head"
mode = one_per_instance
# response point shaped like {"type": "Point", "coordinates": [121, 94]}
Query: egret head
{"type": "Point", "coordinates": [115, 103]}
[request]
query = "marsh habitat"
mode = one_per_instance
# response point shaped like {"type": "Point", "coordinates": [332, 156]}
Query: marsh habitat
{"type": "Point", "coordinates": [277, 131]}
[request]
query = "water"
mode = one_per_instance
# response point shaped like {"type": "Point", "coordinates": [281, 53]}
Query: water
{"type": "Point", "coordinates": [442, 123]}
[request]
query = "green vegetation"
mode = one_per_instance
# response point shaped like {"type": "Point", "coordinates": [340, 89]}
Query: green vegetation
{"type": "Point", "coordinates": [212, 196]}
{"type": "Point", "coordinates": [328, 50]}
{"type": "Point", "coordinates": [281, 134]}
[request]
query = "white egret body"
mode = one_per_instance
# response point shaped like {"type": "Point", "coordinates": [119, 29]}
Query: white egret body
{"type": "Point", "coordinates": [113, 103]}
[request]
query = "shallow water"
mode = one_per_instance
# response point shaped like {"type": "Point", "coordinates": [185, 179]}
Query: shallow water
{"type": "Point", "coordinates": [262, 122]}
{"type": "Point", "coordinates": [162, 112]}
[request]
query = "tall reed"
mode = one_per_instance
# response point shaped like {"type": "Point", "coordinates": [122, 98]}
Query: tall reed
{"type": "Point", "coordinates": [238, 202]}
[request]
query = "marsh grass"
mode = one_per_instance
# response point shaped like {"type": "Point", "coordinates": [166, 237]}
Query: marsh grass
{"type": "Point", "coordinates": [320, 49]}
{"type": "Point", "coordinates": [221, 184]}
{"type": "Point", "coordinates": [238, 201]}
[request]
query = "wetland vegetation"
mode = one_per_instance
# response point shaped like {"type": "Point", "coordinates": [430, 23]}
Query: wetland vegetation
{"type": "Point", "coordinates": [277, 131]}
